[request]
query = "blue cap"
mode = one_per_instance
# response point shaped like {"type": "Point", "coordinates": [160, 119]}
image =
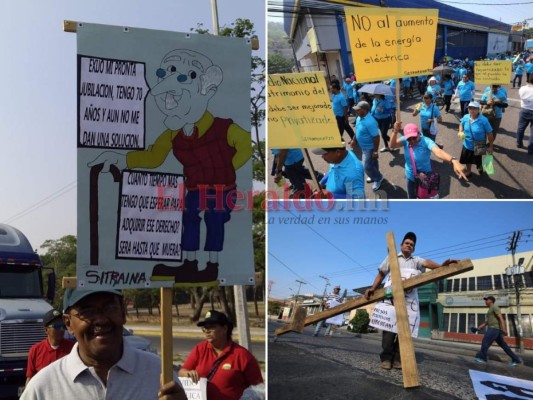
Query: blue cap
{"type": "Point", "coordinates": [72, 296]}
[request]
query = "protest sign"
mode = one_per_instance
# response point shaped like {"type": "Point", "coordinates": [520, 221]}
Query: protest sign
{"type": "Point", "coordinates": [491, 386]}
{"type": "Point", "coordinates": [195, 391]}
{"type": "Point", "coordinates": [300, 113]}
{"type": "Point", "coordinates": [391, 42]}
{"type": "Point", "coordinates": [495, 72]}
{"type": "Point", "coordinates": [164, 159]}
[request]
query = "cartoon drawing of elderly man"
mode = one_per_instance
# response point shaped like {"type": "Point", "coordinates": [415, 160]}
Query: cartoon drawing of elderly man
{"type": "Point", "coordinates": [210, 150]}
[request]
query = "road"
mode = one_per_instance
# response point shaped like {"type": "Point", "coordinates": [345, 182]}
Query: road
{"type": "Point", "coordinates": [183, 346]}
{"type": "Point", "coordinates": [513, 178]}
{"type": "Point", "coordinates": [301, 366]}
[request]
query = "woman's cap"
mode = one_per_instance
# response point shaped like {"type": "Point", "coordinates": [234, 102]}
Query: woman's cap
{"type": "Point", "coordinates": [410, 130]}
{"type": "Point", "coordinates": [474, 104]}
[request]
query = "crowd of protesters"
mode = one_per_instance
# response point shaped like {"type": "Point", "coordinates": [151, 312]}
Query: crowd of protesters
{"type": "Point", "coordinates": [479, 121]}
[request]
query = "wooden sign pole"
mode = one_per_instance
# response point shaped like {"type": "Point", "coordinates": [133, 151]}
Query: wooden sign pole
{"type": "Point", "coordinates": [407, 349]}
{"type": "Point", "coordinates": [166, 336]}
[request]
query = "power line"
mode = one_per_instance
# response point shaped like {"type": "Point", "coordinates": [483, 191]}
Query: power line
{"type": "Point", "coordinates": [58, 193]}
{"type": "Point", "coordinates": [289, 268]}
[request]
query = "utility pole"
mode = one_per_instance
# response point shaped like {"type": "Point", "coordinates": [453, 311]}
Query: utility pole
{"type": "Point", "coordinates": [514, 271]}
{"type": "Point", "coordinates": [300, 283]}
{"type": "Point", "coordinates": [325, 291]}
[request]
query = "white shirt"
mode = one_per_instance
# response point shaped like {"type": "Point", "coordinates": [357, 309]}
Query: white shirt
{"type": "Point", "coordinates": [526, 97]}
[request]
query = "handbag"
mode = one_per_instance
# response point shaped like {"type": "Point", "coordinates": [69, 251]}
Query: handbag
{"type": "Point", "coordinates": [488, 111]}
{"type": "Point", "coordinates": [427, 187]}
{"type": "Point", "coordinates": [480, 146]}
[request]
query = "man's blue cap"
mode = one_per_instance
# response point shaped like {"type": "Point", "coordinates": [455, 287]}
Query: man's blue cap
{"type": "Point", "coordinates": [72, 296]}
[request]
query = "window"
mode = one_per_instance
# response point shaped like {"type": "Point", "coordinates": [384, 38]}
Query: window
{"type": "Point", "coordinates": [456, 285]}
{"type": "Point", "coordinates": [526, 325]}
{"type": "Point", "coordinates": [480, 319]}
{"type": "Point", "coordinates": [471, 322]}
{"type": "Point", "coordinates": [464, 284]}
{"type": "Point", "coordinates": [449, 285]}
{"type": "Point", "coordinates": [528, 277]}
{"type": "Point", "coordinates": [441, 286]}
{"type": "Point", "coordinates": [462, 322]}
{"type": "Point", "coordinates": [484, 282]}
{"type": "Point", "coordinates": [506, 282]}
{"type": "Point", "coordinates": [498, 282]}
{"type": "Point", "coordinates": [472, 284]}
{"type": "Point", "coordinates": [446, 322]}
{"type": "Point", "coordinates": [453, 322]}
{"type": "Point", "coordinates": [513, 327]}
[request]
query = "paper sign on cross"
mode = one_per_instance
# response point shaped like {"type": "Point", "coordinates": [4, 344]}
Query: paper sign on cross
{"type": "Point", "coordinates": [409, 369]}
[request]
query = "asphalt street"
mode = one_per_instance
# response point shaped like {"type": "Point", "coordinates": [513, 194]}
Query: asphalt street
{"type": "Point", "coordinates": [513, 177]}
{"type": "Point", "coordinates": [346, 366]}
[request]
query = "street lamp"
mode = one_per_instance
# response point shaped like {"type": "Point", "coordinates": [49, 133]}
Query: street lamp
{"type": "Point", "coordinates": [516, 271]}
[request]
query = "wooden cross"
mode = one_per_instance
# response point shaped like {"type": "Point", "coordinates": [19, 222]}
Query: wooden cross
{"type": "Point", "coordinates": [399, 286]}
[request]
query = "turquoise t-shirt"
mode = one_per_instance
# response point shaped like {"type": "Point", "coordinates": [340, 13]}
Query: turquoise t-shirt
{"type": "Point", "coordinates": [422, 156]}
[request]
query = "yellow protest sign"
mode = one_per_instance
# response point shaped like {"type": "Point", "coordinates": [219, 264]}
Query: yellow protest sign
{"type": "Point", "coordinates": [391, 42]}
{"type": "Point", "coordinates": [495, 72]}
{"type": "Point", "coordinates": [300, 113]}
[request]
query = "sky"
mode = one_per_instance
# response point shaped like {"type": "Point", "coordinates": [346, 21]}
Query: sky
{"type": "Point", "coordinates": [347, 246]}
{"type": "Point", "coordinates": [507, 11]}
{"type": "Point", "coordinates": [38, 110]}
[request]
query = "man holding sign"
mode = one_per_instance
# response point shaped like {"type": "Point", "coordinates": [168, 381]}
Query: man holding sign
{"type": "Point", "coordinates": [410, 266]}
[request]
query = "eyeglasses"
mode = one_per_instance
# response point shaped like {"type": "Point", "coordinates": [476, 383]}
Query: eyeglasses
{"type": "Point", "coordinates": [90, 313]}
{"type": "Point", "coordinates": [57, 326]}
{"type": "Point", "coordinates": [208, 328]}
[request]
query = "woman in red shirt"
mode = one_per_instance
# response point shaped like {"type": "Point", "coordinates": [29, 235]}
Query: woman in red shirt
{"type": "Point", "coordinates": [228, 367]}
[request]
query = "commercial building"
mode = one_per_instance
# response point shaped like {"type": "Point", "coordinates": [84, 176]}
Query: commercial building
{"type": "Point", "coordinates": [318, 33]}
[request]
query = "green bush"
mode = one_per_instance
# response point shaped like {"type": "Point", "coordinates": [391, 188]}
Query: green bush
{"type": "Point", "coordinates": [359, 323]}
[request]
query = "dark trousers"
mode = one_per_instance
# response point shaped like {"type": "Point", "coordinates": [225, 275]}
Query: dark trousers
{"type": "Point", "coordinates": [519, 77]}
{"type": "Point", "coordinates": [448, 101]}
{"type": "Point", "coordinates": [525, 118]}
{"type": "Point", "coordinates": [344, 126]}
{"type": "Point", "coordinates": [390, 346]}
{"type": "Point", "coordinates": [464, 107]}
{"type": "Point", "coordinates": [495, 335]}
{"type": "Point", "coordinates": [296, 174]}
{"type": "Point", "coordinates": [384, 125]}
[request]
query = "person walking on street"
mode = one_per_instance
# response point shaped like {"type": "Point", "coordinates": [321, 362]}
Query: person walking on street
{"type": "Point", "coordinates": [525, 117]}
{"type": "Point", "coordinates": [367, 136]}
{"type": "Point", "coordinates": [334, 296]}
{"type": "Point", "coordinates": [381, 111]}
{"type": "Point", "coordinates": [465, 91]}
{"type": "Point", "coordinates": [340, 109]}
{"type": "Point", "coordinates": [474, 128]}
{"type": "Point", "coordinates": [409, 265]}
{"type": "Point", "coordinates": [494, 333]}
{"type": "Point", "coordinates": [518, 73]}
{"type": "Point", "coordinates": [495, 99]}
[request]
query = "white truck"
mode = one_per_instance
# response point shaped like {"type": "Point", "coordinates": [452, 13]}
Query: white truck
{"type": "Point", "coordinates": [22, 307]}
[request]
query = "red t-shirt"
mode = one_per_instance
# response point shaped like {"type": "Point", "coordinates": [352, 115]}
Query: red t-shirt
{"type": "Point", "coordinates": [41, 354]}
{"type": "Point", "coordinates": [238, 370]}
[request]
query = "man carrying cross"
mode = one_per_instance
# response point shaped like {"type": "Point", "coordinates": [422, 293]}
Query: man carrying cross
{"type": "Point", "coordinates": [410, 266]}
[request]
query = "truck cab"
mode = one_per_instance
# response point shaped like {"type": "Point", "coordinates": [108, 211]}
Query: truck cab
{"type": "Point", "coordinates": [22, 307]}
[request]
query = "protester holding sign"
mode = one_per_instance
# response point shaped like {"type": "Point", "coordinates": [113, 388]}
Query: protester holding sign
{"type": "Point", "coordinates": [410, 266]}
{"type": "Point", "coordinates": [228, 367]}
{"type": "Point", "coordinates": [345, 177]}
{"type": "Point", "coordinates": [475, 130]}
{"type": "Point", "coordinates": [494, 101]}
{"type": "Point", "coordinates": [100, 365]}
{"type": "Point", "coordinates": [418, 150]}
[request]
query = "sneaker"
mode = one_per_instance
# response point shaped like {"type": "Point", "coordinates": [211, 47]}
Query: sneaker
{"type": "Point", "coordinates": [369, 180]}
{"type": "Point", "coordinates": [386, 365]}
{"type": "Point", "coordinates": [376, 185]}
{"type": "Point", "coordinates": [479, 360]}
{"type": "Point", "coordinates": [514, 363]}
{"type": "Point", "coordinates": [397, 365]}
{"type": "Point", "coordinates": [384, 149]}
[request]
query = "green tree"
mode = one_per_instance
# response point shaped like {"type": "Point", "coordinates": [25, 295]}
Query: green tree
{"type": "Point", "coordinates": [277, 64]}
{"type": "Point", "coordinates": [359, 323]}
{"type": "Point", "coordinates": [60, 255]}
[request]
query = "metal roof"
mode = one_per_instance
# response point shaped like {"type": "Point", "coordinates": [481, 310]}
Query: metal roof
{"type": "Point", "coordinates": [448, 15]}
